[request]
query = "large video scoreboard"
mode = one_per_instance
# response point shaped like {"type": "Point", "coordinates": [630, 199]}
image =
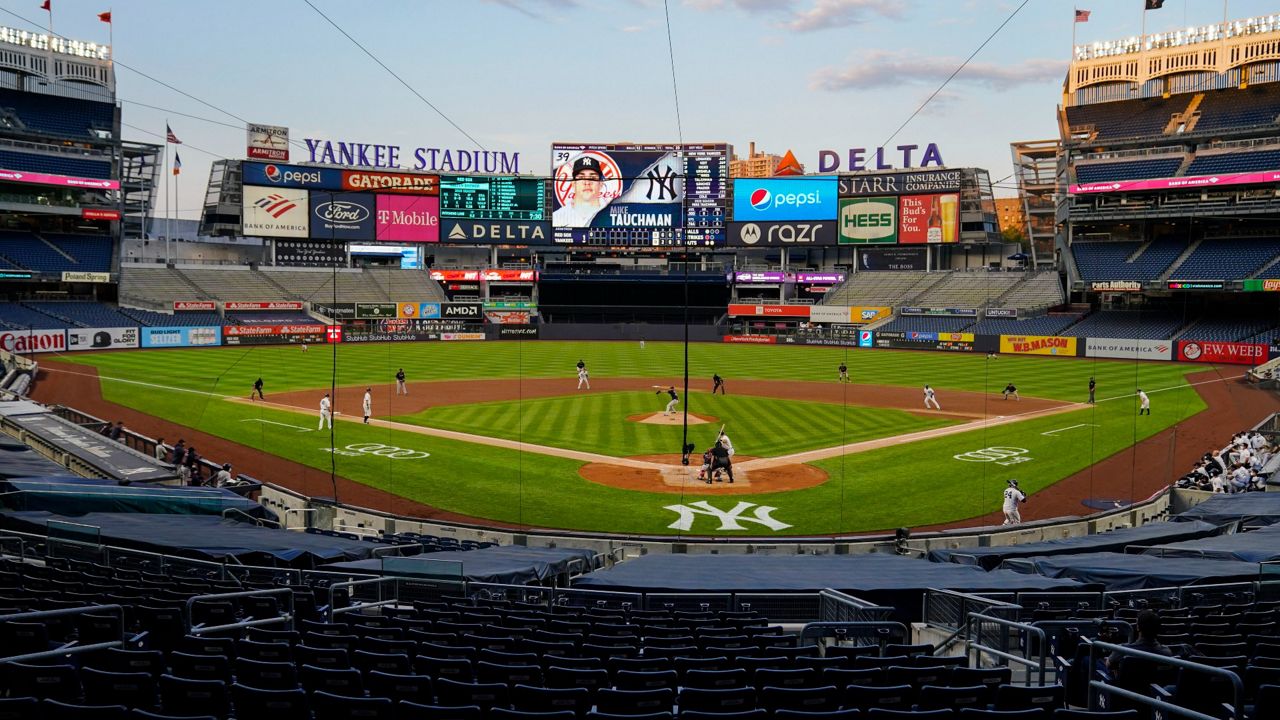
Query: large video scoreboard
{"type": "Point", "coordinates": [628, 195]}
{"type": "Point", "coordinates": [480, 197]}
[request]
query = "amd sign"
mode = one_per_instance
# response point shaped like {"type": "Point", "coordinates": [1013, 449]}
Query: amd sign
{"type": "Point", "coordinates": [759, 234]}
{"type": "Point", "coordinates": [462, 311]}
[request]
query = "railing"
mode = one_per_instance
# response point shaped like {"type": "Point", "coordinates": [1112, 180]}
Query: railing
{"type": "Point", "coordinates": [301, 511]}
{"type": "Point", "coordinates": [1138, 152]}
{"type": "Point", "coordinates": [950, 610]}
{"type": "Point", "coordinates": [69, 649]}
{"type": "Point", "coordinates": [14, 540]}
{"type": "Point", "coordinates": [287, 618]}
{"type": "Point", "coordinates": [1099, 689]}
{"type": "Point", "coordinates": [708, 602]}
{"type": "Point", "coordinates": [998, 638]}
{"type": "Point", "coordinates": [881, 632]}
{"type": "Point", "coordinates": [837, 607]}
{"type": "Point", "coordinates": [379, 584]}
{"type": "Point", "coordinates": [1060, 600]}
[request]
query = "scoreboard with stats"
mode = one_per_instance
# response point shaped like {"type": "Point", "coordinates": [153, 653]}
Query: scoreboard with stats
{"type": "Point", "coordinates": [480, 197]}
{"type": "Point", "coordinates": [632, 195]}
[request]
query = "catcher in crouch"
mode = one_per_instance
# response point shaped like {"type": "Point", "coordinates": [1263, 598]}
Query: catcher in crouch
{"type": "Point", "coordinates": [715, 460]}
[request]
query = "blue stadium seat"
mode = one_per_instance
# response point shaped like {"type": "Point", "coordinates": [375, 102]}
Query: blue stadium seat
{"type": "Point", "coordinates": [55, 164]}
{"type": "Point", "coordinates": [1127, 118]}
{"type": "Point", "coordinates": [54, 115]}
{"type": "Point", "coordinates": [1131, 170]}
{"type": "Point", "coordinates": [1227, 259]}
{"type": "Point", "coordinates": [1236, 109]}
{"type": "Point", "coordinates": [1234, 162]}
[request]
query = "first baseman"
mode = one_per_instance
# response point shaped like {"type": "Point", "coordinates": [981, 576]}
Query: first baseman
{"type": "Point", "coordinates": [326, 415]}
{"type": "Point", "coordinates": [930, 398]}
{"type": "Point", "coordinates": [1012, 497]}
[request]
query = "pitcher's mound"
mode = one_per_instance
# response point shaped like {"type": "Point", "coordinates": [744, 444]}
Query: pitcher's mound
{"type": "Point", "coordinates": [677, 478]}
{"type": "Point", "coordinates": [675, 418]}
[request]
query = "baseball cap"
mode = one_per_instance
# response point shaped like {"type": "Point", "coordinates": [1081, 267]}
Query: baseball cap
{"type": "Point", "coordinates": [586, 162]}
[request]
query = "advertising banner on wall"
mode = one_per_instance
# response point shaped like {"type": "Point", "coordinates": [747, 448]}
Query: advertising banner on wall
{"type": "Point", "coordinates": [275, 212]}
{"type": "Point", "coordinates": [276, 175]}
{"type": "Point", "coordinates": [406, 218]}
{"type": "Point", "coordinates": [508, 317]}
{"type": "Point", "coordinates": [23, 342]}
{"type": "Point", "coordinates": [758, 276]}
{"type": "Point", "coordinates": [892, 259]}
{"type": "Point", "coordinates": [102, 338]}
{"type": "Point", "coordinates": [788, 311]}
{"type": "Point", "coordinates": [99, 214]}
{"type": "Point", "coordinates": [1261, 285]}
{"type": "Point", "coordinates": [900, 183]}
{"type": "Point", "coordinates": [1232, 353]}
{"type": "Point", "coordinates": [87, 277]}
{"type": "Point", "coordinates": [272, 334]}
{"type": "Point", "coordinates": [781, 234]}
{"type": "Point", "coordinates": [938, 312]}
{"type": "Point", "coordinates": [1038, 345]}
{"type": "Point", "coordinates": [173, 337]}
{"type": "Point", "coordinates": [751, 339]}
{"type": "Point", "coordinates": [35, 178]}
{"type": "Point", "coordinates": [390, 182]}
{"type": "Point", "coordinates": [267, 305]}
{"type": "Point", "coordinates": [820, 278]}
{"type": "Point", "coordinates": [868, 221]}
{"type": "Point", "coordinates": [206, 305]}
{"type": "Point", "coordinates": [517, 332]}
{"type": "Point", "coordinates": [1128, 349]}
{"type": "Point", "coordinates": [342, 216]}
{"type": "Point", "coordinates": [495, 232]}
{"type": "Point", "coordinates": [781, 199]}
{"type": "Point", "coordinates": [1268, 177]}
{"type": "Point", "coordinates": [311, 253]}
{"type": "Point", "coordinates": [399, 330]}
{"type": "Point", "coordinates": [375, 311]}
{"type": "Point", "coordinates": [471, 312]}
{"type": "Point", "coordinates": [1115, 286]}
{"type": "Point", "coordinates": [929, 219]}
{"type": "Point", "coordinates": [1001, 313]}
{"type": "Point", "coordinates": [830, 313]}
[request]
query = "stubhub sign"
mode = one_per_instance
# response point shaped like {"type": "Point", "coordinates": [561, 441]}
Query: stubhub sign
{"type": "Point", "coordinates": [784, 199]}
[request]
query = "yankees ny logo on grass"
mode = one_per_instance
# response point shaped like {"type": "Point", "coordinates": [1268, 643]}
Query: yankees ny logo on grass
{"type": "Point", "coordinates": [997, 455]}
{"type": "Point", "coordinates": [379, 450]}
{"type": "Point", "coordinates": [729, 520]}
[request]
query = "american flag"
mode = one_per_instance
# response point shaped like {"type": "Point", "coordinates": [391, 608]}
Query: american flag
{"type": "Point", "coordinates": [1082, 15]}
{"type": "Point", "coordinates": [169, 136]}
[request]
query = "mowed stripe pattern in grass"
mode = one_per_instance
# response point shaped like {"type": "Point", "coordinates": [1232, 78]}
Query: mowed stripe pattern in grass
{"type": "Point", "coordinates": [597, 422]}
{"type": "Point", "coordinates": [232, 370]}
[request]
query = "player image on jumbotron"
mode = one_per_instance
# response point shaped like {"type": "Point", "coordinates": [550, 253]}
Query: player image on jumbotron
{"type": "Point", "coordinates": [586, 198]}
{"type": "Point", "coordinates": [618, 186]}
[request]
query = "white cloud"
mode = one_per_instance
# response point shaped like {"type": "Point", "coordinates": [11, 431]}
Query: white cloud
{"type": "Point", "coordinates": [882, 68]}
{"type": "Point", "coordinates": [814, 16]}
{"type": "Point", "coordinates": [826, 14]}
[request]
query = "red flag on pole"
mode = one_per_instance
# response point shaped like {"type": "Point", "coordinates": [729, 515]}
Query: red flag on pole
{"type": "Point", "coordinates": [1082, 15]}
{"type": "Point", "coordinates": [105, 17]}
{"type": "Point", "coordinates": [47, 5]}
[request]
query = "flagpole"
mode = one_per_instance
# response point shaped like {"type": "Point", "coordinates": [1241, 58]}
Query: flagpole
{"type": "Point", "coordinates": [168, 203]}
{"type": "Point", "coordinates": [1075, 21]}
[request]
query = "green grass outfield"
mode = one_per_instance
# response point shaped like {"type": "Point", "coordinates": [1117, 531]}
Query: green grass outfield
{"type": "Point", "coordinates": [917, 484]}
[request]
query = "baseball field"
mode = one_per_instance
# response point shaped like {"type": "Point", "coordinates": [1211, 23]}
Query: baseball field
{"type": "Point", "coordinates": [499, 432]}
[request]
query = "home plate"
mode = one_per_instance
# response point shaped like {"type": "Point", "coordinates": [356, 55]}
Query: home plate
{"type": "Point", "coordinates": [680, 476]}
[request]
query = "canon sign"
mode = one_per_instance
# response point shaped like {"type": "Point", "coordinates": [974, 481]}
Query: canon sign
{"type": "Point", "coordinates": [34, 341]}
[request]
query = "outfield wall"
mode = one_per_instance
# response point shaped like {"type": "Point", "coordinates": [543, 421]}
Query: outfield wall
{"type": "Point", "coordinates": [301, 511]}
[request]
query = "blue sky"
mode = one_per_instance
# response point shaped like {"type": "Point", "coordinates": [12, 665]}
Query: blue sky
{"type": "Point", "coordinates": [517, 75]}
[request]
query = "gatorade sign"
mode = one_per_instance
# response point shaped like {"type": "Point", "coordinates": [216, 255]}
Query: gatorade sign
{"type": "Point", "coordinates": [866, 221]}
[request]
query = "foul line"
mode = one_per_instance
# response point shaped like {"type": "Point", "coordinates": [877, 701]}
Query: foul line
{"type": "Point", "coordinates": [1069, 427]}
{"type": "Point", "coordinates": [273, 422]}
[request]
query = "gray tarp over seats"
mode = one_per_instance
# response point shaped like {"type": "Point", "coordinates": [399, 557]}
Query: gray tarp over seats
{"type": "Point", "coordinates": [1262, 545]}
{"type": "Point", "coordinates": [76, 496]}
{"type": "Point", "coordinates": [18, 460]}
{"type": "Point", "coordinates": [886, 579]}
{"type": "Point", "coordinates": [508, 565]}
{"type": "Point", "coordinates": [1117, 571]}
{"type": "Point", "coordinates": [1253, 508]}
{"type": "Point", "coordinates": [990, 558]}
{"type": "Point", "coordinates": [202, 536]}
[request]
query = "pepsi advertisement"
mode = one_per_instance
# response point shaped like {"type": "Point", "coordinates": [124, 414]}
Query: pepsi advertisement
{"type": "Point", "coordinates": [625, 195]}
{"type": "Point", "coordinates": [784, 199]}
{"type": "Point", "coordinates": [291, 176]}
{"type": "Point", "coordinates": [342, 216]}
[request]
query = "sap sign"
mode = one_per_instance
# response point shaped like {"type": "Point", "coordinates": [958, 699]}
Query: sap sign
{"type": "Point", "coordinates": [784, 199]}
{"type": "Point", "coordinates": [291, 176]}
{"type": "Point", "coordinates": [869, 220]}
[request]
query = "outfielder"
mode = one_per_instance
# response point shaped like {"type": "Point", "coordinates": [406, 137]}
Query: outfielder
{"type": "Point", "coordinates": [930, 398]}
{"type": "Point", "coordinates": [1144, 403]}
{"type": "Point", "coordinates": [675, 400]}
{"type": "Point", "coordinates": [1012, 497]}
{"type": "Point", "coordinates": [401, 388]}
{"type": "Point", "coordinates": [326, 416]}
{"type": "Point", "coordinates": [368, 404]}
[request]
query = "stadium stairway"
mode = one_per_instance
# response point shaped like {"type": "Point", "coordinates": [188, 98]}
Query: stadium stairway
{"type": "Point", "coordinates": [1169, 271]}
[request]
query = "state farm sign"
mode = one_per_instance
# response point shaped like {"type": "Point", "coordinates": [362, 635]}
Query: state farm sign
{"type": "Point", "coordinates": [34, 341]}
{"type": "Point", "coordinates": [274, 305]}
{"type": "Point", "coordinates": [1222, 352]}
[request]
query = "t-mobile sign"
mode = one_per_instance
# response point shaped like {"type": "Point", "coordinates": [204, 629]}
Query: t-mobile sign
{"type": "Point", "coordinates": [408, 218]}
